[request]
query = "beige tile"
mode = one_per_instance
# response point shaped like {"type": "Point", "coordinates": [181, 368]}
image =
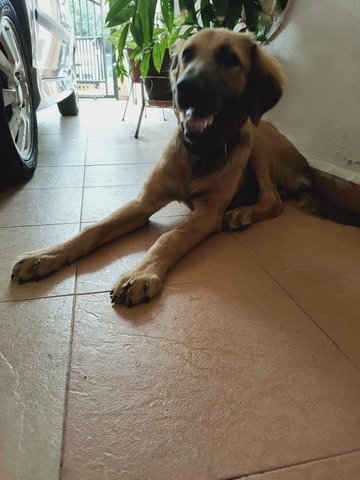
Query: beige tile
{"type": "Point", "coordinates": [61, 142]}
{"type": "Point", "coordinates": [299, 241]}
{"type": "Point", "coordinates": [56, 177]}
{"type": "Point", "coordinates": [220, 256]}
{"type": "Point", "coordinates": [344, 467]}
{"type": "Point", "coordinates": [14, 242]}
{"type": "Point", "coordinates": [331, 298]}
{"type": "Point", "coordinates": [99, 271]}
{"type": "Point", "coordinates": [101, 201]}
{"type": "Point", "coordinates": [59, 150]}
{"type": "Point", "coordinates": [51, 123]}
{"type": "Point", "coordinates": [209, 380]}
{"type": "Point", "coordinates": [108, 175]}
{"type": "Point", "coordinates": [34, 348]}
{"type": "Point", "coordinates": [105, 153]}
{"type": "Point", "coordinates": [61, 158]}
{"type": "Point", "coordinates": [20, 207]}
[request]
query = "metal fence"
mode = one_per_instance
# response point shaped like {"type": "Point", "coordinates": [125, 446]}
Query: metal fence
{"type": "Point", "coordinates": [94, 55]}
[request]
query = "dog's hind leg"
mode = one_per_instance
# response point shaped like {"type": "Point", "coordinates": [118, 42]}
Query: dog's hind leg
{"type": "Point", "coordinates": [38, 264]}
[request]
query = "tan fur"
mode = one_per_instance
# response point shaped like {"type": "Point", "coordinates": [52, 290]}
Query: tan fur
{"type": "Point", "coordinates": [274, 160]}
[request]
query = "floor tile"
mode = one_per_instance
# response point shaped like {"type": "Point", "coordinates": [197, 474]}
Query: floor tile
{"type": "Point", "coordinates": [34, 348]}
{"type": "Point", "coordinates": [101, 201]}
{"type": "Point", "coordinates": [331, 298]}
{"type": "Point", "coordinates": [107, 175]}
{"type": "Point", "coordinates": [56, 177]}
{"type": "Point", "coordinates": [64, 141]}
{"type": "Point", "coordinates": [104, 153]}
{"type": "Point", "coordinates": [344, 467]}
{"type": "Point", "coordinates": [14, 242]}
{"type": "Point", "coordinates": [19, 207]}
{"type": "Point", "coordinates": [299, 241]}
{"type": "Point", "coordinates": [209, 380]}
{"type": "Point", "coordinates": [67, 148]}
{"type": "Point", "coordinates": [50, 122]}
{"type": "Point", "coordinates": [99, 271]}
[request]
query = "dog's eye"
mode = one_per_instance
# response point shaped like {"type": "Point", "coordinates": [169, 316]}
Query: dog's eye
{"type": "Point", "coordinates": [188, 54]}
{"type": "Point", "coordinates": [228, 59]}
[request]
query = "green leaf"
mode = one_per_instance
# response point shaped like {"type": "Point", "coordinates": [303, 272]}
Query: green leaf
{"type": "Point", "coordinates": [220, 7]}
{"type": "Point", "coordinates": [190, 7]}
{"type": "Point", "coordinates": [123, 17]}
{"type": "Point", "coordinates": [122, 41]}
{"type": "Point", "coordinates": [114, 37]}
{"type": "Point", "coordinates": [144, 65]}
{"type": "Point", "coordinates": [158, 53]}
{"type": "Point", "coordinates": [207, 13]}
{"type": "Point", "coordinates": [252, 13]}
{"type": "Point", "coordinates": [151, 18]}
{"type": "Point", "coordinates": [136, 30]}
{"type": "Point", "coordinates": [117, 7]}
{"type": "Point", "coordinates": [143, 23]}
{"type": "Point", "coordinates": [233, 14]}
{"type": "Point", "coordinates": [167, 11]}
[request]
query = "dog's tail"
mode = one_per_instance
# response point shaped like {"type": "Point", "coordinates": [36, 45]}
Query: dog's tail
{"type": "Point", "coordinates": [312, 202]}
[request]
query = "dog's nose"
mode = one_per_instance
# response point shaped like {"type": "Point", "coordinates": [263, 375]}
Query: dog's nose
{"type": "Point", "coordinates": [199, 90]}
{"type": "Point", "coordinates": [191, 88]}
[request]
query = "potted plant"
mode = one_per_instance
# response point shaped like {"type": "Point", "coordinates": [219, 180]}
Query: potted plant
{"type": "Point", "coordinates": [150, 27]}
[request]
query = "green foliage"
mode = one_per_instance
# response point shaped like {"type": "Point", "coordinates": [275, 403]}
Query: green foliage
{"type": "Point", "coordinates": [149, 27]}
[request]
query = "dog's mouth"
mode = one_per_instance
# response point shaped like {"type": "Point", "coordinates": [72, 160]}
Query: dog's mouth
{"type": "Point", "coordinates": [196, 123]}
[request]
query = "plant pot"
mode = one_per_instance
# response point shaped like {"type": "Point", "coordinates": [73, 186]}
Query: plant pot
{"type": "Point", "coordinates": [158, 84]}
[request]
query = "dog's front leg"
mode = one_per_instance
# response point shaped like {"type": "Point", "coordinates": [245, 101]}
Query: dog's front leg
{"type": "Point", "coordinates": [38, 264]}
{"type": "Point", "coordinates": [145, 280]}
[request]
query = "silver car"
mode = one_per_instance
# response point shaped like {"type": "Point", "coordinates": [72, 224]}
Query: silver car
{"type": "Point", "coordinates": [36, 71]}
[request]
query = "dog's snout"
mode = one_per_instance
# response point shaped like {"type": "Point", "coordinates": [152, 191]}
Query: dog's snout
{"type": "Point", "coordinates": [197, 90]}
{"type": "Point", "coordinates": [190, 86]}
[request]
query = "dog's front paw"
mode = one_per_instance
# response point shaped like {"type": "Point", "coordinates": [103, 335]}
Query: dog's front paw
{"type": "Point", "coordinates": [34, 267]}
{"type": "Point", "coordinates": [237, 218]}
{"type": "Point", "coordinates": [135, 288]}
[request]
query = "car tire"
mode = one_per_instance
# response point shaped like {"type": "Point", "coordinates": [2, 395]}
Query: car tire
{"type": "Point", "coordinates": [70, 105]}
{"type": "Point", "coordinates": [18, 126]}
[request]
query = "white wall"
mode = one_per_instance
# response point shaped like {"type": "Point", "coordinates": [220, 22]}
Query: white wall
{"type": "Point", "coordinates": [319, 48]}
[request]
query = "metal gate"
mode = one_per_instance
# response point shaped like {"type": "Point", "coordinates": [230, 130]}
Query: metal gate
{"type": "Point", "coordinates": [94, 55]}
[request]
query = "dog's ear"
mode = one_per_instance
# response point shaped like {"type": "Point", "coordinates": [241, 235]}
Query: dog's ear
{"type": "Point", "coordinates": [265, 82]}
{"type": "Point", "coordinates": [174, 55]}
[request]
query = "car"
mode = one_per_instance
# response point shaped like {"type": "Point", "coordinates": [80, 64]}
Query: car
{"type": "Point", "coordinates": [37, 44]}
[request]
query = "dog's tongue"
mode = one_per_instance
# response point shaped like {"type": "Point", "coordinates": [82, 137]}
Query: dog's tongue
{"type": "Point", "coordinates": [195, 123]}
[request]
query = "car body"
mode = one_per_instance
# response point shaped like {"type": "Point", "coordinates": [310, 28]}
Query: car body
{"type": "Point", "coordinates": [37, 44]}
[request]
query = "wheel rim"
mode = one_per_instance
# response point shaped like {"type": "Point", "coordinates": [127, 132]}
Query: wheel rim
{"type": "Point", "coordinates": [16, 89]}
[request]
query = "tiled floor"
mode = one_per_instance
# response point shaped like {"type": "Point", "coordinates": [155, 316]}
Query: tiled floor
{"type": "Point", "coordinates": [247, 365]}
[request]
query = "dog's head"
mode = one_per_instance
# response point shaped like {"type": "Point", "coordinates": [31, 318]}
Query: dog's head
{"type": "Point", "coordinates": [219, 79]}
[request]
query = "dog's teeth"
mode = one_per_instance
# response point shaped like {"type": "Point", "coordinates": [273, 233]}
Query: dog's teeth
{"type": "Point", "coordinates": [189, 111]}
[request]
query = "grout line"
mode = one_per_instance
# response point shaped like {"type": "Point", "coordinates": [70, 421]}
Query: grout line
{"type": "Point", "coordinates": [30, 299]}
{"type": "Point", "coordinates": [299, 464]}
{"type": "Point", "coordinates": [68, 372]}
{"type": "Point", "coordinates": [67, 385]}
{"type": "Point", "coordinates": [40, 225]}
{"type": "Point", "coordinates": [316, 323]}
{"type": "Point", "coordinates": [298, 304]}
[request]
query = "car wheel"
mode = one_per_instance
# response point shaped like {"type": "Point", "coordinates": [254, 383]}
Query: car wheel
{"type": "Point", "coordinates": [70, 105]}
{"type": "Point", "coordinates": [18, 126]}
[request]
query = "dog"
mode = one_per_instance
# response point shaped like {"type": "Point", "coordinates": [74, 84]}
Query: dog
{"type": "Point", "coordinates": [222, 82]}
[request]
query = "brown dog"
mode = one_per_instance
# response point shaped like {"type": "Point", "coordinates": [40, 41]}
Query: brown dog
{"type": "Point", "coordinates": [223, 82]}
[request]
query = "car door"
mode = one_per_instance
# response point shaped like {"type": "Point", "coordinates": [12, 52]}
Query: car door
{"type": "Point", "coordinates": [54, 42]}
